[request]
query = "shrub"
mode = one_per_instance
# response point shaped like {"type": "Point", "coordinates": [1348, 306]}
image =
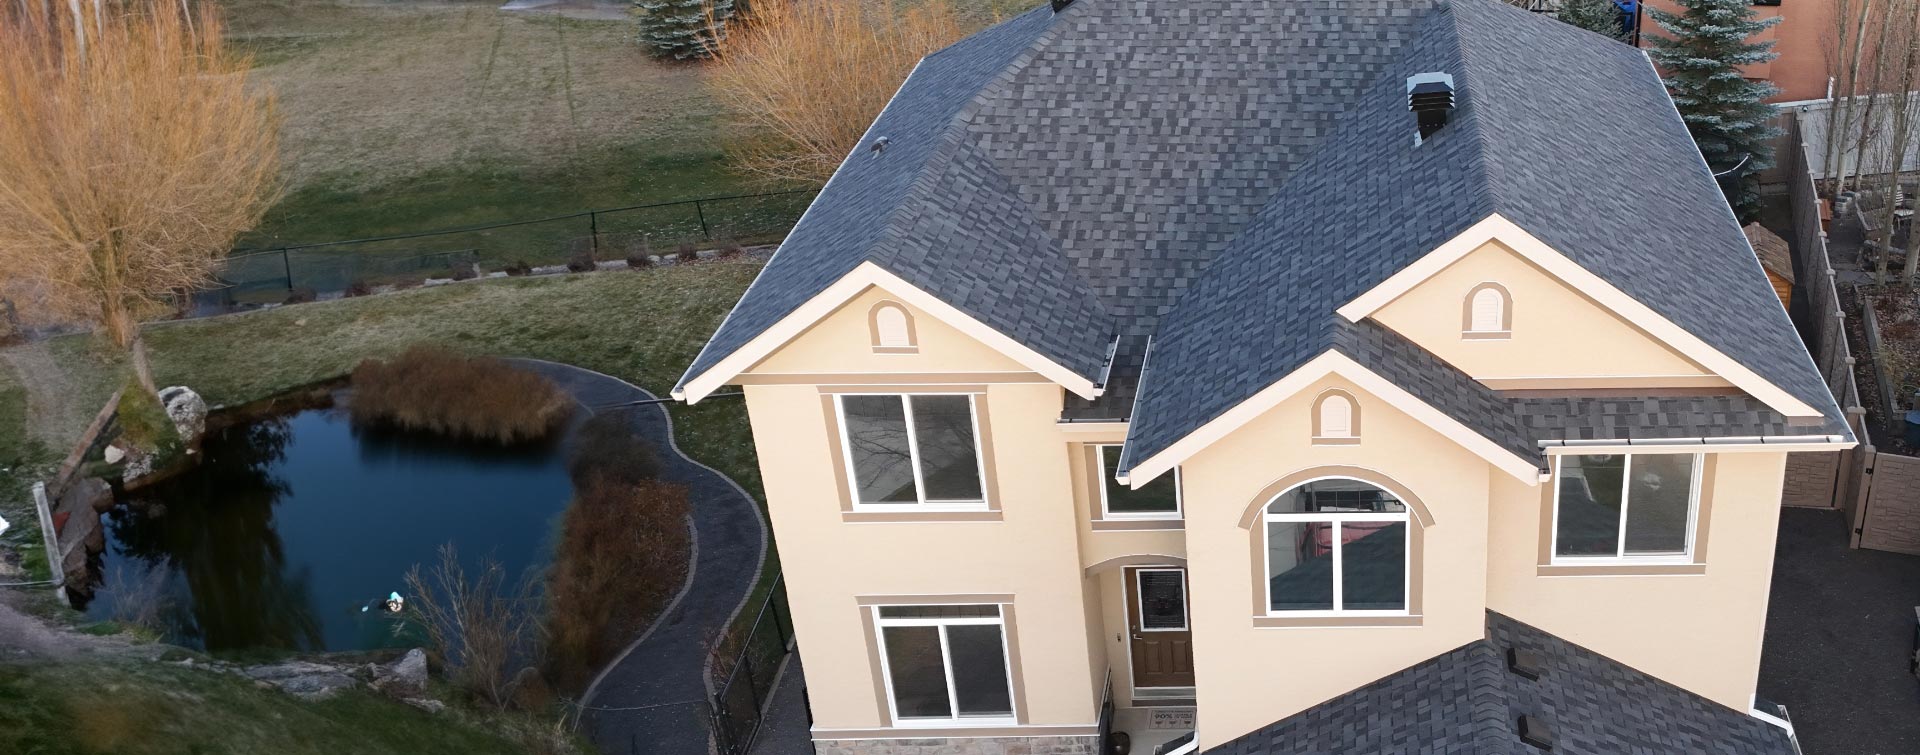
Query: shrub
{"type": "Point", "coordinates": [478, 628]}
{"type": "Point", "coordinates": [622, 556]}
{"type": "Point", "coordinates": [687, 252]}
{"type": "Point", "coordinates": [640, 254]}
{"type": "Point", "coordinates": [300, 295]}
{"type": "Point", "coordinates": [606, 448]}
{"type": "Point", "coordinates": [730, 249]}
{"type": "Point", "coordinates": [359, 287]}
{"type": "Point", "coordinates": [517, 268]}
{"type": "Point", "coordinates": [581, 261]}
{"type": "Point", "coordinates": [433, 389]}
{"type": "Point", "coordinates": [464, 272]}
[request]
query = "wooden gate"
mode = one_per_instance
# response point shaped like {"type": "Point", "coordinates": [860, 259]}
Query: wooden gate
{"type": "Point", "coordinates": [1886, 510]}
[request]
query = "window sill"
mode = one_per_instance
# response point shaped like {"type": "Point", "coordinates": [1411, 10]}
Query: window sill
{"type": "Point", "coordinates": [1486, 335]}
{"type": "Point", "coordinates": [1137, 525]}
{"type": "Point", "coordinates": [900, 517]}
{"type": "Point", "coordinates": [1620, 570]}
{"type": "Point", "coordinates": [1343, 441]}
{"type": "Point", "coordinates": [1336, 622]}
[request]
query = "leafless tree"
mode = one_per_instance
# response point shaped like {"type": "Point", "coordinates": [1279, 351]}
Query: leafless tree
{"type": "Point", "coordinates": [134, 147]}
{"type": "Point", "coordinates": [483, 631]}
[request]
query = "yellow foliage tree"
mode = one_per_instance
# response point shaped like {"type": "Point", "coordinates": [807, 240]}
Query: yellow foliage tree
{"type": "Point", "coordinates": [804, 78]}
{"type": "Point", "coordinates": [133, 149]}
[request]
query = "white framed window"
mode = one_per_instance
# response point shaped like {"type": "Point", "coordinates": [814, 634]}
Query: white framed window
{"type": "Point", "coordinates": [945, 665]}
{"type": "Point", "coordinates": [1336, 418]}
{"type": "Point", "coordinates": [1162, 597]}
{"type": "Point", "coordinates": [912, 451]}
{"type": "Point", "coordinates": [892, 329]}
{"type": "Point", "coordinates": [1337, 547]}
{"type": "Point", "coordinates": [1159, 499]}
{"type": "Point", "coordinates": [1625, 508]}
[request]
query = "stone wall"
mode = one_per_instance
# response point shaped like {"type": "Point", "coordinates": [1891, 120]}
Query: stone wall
{"type": "Point", "coordinates": [961, 746]}
{"type": "Point", "coordinates": [1891, 521]}
{"type": "Point", "coordinates": [1811, 478]}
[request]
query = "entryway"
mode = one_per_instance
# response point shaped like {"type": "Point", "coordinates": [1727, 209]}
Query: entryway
{"type": "Point", "coordinates": [1161, 639]}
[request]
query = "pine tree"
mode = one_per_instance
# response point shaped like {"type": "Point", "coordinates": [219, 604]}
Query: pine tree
{"type": "Point", "coordinates": [1706, 44]}
{"type": "Point", "coordinates": [682, 29]}
{"type": "Point", "coordinates": [1597, 16]}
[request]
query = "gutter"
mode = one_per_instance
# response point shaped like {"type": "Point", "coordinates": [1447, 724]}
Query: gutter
{"type": "Point", "coordinates": [1840, 441]}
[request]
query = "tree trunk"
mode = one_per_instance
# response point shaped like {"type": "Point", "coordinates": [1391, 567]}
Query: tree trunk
{"type": "Point", "coordinates": [1836, 147]}
{"type": "Point", "coordinates": [79, 26]}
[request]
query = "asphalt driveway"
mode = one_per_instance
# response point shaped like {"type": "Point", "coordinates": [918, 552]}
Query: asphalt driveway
{"type": "Point", "coordinates": [1839, 630]}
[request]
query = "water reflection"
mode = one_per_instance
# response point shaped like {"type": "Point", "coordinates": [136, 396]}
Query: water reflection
{"type": "Point", "coordinates": [291, 525]}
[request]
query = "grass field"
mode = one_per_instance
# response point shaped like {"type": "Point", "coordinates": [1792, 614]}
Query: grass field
{"type": "Point", "coordinates": [133, 707]}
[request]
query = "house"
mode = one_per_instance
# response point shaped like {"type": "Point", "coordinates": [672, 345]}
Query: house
{"type": "Point", "coordinates": [1306, 376]}
{"type": "Point", "coordinates": [1776, 257]}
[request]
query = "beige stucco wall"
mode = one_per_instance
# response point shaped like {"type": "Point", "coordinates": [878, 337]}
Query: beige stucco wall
{"type": "Point", "coordinates": [1701, 632]}
{"type": "Point", "coordinates": [1556, 332]}
{"type": "Point", "coordinates": [1250, 677]}
{"type": "Point", "coordinates": [829, 562]}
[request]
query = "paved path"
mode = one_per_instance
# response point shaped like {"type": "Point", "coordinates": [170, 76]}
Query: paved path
{"type": "Point", "coordinates": [1839, 627]}
{"type": "Point", "coordinates": [653, 698]}
{"type": "Point", "coordinates": [786, 730]}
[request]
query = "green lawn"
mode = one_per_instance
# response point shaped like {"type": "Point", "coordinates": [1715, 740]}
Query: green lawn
{"type": "Point", "coordinates": [151, 708]}
{"type": "Point", "coordinates": [22, 460]}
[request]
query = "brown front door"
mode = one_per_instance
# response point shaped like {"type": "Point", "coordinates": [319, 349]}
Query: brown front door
{"type": "Point", "coordinates": [1157, 621]}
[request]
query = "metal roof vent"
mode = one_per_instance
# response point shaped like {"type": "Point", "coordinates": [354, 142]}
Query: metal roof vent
{"type": "Point", "coordinates": [1534, 731]}
{"type": "Point", "coordinates": [1524, 662]}
{"type": "Point", "coordinates": [1430, 97]}
{"type": "Point", "coordinates": [880, 145]}
{"type": "Point", "coordinates": [1060, 5]}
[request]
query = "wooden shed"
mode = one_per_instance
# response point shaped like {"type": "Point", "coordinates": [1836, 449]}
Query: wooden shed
{"type": "Point", "coordinates": [1776, 258]}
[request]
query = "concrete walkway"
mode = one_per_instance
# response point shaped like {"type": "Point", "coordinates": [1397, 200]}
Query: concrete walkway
{"type": "Point", "coordinates": [653, 698]}
{"type": "Point", "coordinates": [1839, 628]}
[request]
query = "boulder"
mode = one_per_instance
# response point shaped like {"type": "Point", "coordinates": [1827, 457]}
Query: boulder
{"type": "Point", "coordinates": [188, 412]}
{"type": "Point", "coordinates": [404, 677]}
{"type": "Point", "coordinates": [302, 679]}
{"type": "Point", "coordinates": [427, 704]}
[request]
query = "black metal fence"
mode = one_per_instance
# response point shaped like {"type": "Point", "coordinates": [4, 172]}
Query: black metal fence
{"type": "Point", "coordinates": [271, 275]}
{"type": "Point", "coordinates": [739, 705]}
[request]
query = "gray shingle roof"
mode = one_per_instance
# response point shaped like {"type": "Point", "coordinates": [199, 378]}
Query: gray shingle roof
{"type": "Point", "coordinates": [1536, 137]}
{"type": "Point", "coordinates": [1466, 702]}
{"type": "Point", "coordinates": [1222, 174]}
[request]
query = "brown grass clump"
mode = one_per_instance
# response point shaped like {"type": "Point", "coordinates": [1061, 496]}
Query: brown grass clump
{"type": "Point", "coordinates": [433, 389]}
{"type": "Point", "coordinates": [806, 77]}
{"type": "Point", "coordinates": [622, 556]}
{"type": "Point", "coordinates": [606, 448]}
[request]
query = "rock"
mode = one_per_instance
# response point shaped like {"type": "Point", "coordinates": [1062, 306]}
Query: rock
{"type": "Point", "coordinates": [188, 412]}
{"type": "Point", "coordinates": [316, 687]}
{"type": "Point", "coordinates": [407, 676]}
{"type": "Point", "coordinates": [290, 669]}
{"type": "Point", "coordinates": [113, 454]}
{"type": "Point", "coordinates": [427, 704]}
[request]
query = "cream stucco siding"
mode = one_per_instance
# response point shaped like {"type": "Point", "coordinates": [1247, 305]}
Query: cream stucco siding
{"type": "Point", "coordinates": [1701, 632]}
{"type": "Point", "coordinates": [1559, 338]}
{"type": "Point", "coordinates": [841, 343]}
{"type": "Point", "coordinates": [1249, 677]}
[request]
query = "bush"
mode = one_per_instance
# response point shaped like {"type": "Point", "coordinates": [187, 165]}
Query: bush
{"type": "Point", "coordinates": [640, 254]}
{"type": "Point", "coordinates": [622, 557]}
{"type": "Point", "coordinates": [517, 268]}
{"type": "Point", "coordinates": [432, 389]}
{"type": "Point", "coordinates": [479, 629]}
{"type": "Point", "coordinates": [359, 287]}
{"type": "Point", "coordinates": [687, 252]}
{"type": "Point", "coordinates": [606, 448]}
{"type": "Point", "coordinates": [464, 272]}
{"type": "Point", "coordinates": [581, 261]}
{"type": "Point", "coordinates": [301, 295]}
{"type": "Point", "coordinates": [730, 249]}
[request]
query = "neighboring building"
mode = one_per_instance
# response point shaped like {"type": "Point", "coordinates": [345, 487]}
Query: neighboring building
{"type": "Point", "coordinates": [1801, 39]}
{"type": "Point", "coordinates": [1154, 352]}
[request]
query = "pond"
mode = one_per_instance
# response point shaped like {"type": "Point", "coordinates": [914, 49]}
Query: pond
{"type": "Point", "coordinates": [292, 524]}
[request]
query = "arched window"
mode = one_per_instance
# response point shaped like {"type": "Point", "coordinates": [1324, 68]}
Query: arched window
{"type": "Point", "coordinates": [1489, 312]}
{"type": "Point", "coordinates": [1336, 419]}
{"type": "Point", "coordinates": [892, 329]}
{"type": "Point", "coordinates": [1336, 546]}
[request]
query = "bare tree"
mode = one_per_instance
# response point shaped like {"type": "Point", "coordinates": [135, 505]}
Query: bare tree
{"type": "Point", "coordinates": [481, 630]}
{"type": "Point", "coordinates": [133, 148]}
{"type": "Point", "coordinates": [1904, 18]}
{"type": "Point", "coordinates": [1849, 26]}
{"type": "Point", "coordinates": [805, 78]}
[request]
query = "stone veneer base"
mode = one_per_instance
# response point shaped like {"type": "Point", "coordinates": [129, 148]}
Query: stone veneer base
{"type": "Point", "coordinates": [1080, 745]}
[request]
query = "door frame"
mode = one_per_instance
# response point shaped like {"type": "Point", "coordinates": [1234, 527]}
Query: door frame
{"type": "Point", "coordinates": [1129, 598]}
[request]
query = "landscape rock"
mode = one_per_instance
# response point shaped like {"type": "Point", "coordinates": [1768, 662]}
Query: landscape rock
{"type": "Point", "coordinates": [404, 677]}
{"type": "Point", "coordinates": [188, 412]}
{"type": "Point", "coordinates": [302, 679]}
{"type": "Point", "coordinates": [427, 704]}
{"type": "Point", "coordinates": [113, 454]}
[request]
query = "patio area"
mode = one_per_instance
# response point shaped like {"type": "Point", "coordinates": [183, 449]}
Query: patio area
{"type": "Point", "coordinates": [1839, 632]}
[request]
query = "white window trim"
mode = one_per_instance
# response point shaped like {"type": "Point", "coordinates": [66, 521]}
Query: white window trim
{"type": "Point", "coordinates": [1500, 318]}
{"type": "Point", "coordinates": [922, 503]}
{"type": "Point", "coordinates": [880, 624]}
{"type": "Point", "coordinates": [1620, 537]}
{"type": "Point", "coordinates": [1339, 587]}
{"type": "Point", "coordinates": [1140, 599]}
{"type": "Point", "coordinates": [1179, 494]}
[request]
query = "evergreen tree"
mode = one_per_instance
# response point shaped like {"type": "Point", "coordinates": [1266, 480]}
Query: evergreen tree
{"type": "Point", "coordinates": [1705, 46]}
{"type": "Point", "coordinates": [682, 29]}
{"type": "Point", "coordinates": [1597, 16]}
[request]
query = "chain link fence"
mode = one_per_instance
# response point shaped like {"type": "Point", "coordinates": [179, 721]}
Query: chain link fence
{"type": "Point", "coordinates": [739, 707]}
{"type": "Point", "coordinates": [253, 277]}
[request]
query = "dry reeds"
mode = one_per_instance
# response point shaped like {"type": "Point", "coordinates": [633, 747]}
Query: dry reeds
{"type": "Point", "coordinates": [432, 389]}
{"type": "Point", "coordinates": [480, 629]}
{"type": "Point", "coordinates": [623, 555]}
{"type": "Point", "coordinates": [133, 149]}
{"type": "Point", "coordinates": [805, 78]}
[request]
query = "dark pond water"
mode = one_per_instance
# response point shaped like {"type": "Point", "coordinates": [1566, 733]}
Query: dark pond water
{"type": "Point", "coordinates": [291, 525]}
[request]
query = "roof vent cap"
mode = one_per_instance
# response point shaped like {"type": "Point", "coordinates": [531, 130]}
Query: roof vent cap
{"type": "Point", "coordinates": [880, 145]}
{"type": "Point", "coordinates": [1535, 731]}
{"type": "Point", "coordinates": [1430, 97]}
{"type": "Point", "coordinates": [1524, 662]}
